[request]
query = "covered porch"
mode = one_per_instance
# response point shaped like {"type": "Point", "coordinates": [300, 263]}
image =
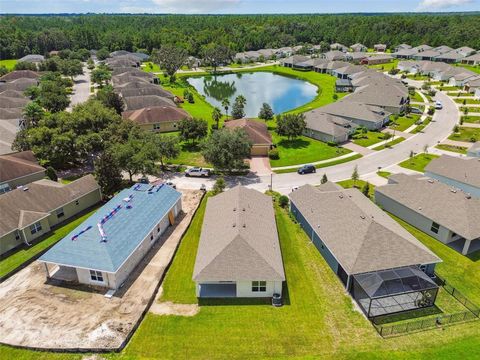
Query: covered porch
{"type": "Point", "coordinates": [218, 290]}
{"type": "Point", "coordinates": [61, 273]}
{"type": "Point", "coordinates": [464, 246]}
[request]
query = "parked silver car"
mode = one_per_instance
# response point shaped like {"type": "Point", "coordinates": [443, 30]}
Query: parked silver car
{"type": "Point", "coordinates": [197, 172]}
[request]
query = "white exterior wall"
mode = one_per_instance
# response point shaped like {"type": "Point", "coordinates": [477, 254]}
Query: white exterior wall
{"type": "Point", "coordinates": [477, 93]}
{"type": "Point", "coordinates": [244, 289]}
{"type": "Point", "coordinates": [472, 190]}
{"type": "Point", "coordinates": [413, 218]}
{"type": "Point", "coordinates": [84, 278]}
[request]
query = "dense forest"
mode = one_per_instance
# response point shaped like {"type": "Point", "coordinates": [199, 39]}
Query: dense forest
{"type": "Point", "coordinates": [21, 35]}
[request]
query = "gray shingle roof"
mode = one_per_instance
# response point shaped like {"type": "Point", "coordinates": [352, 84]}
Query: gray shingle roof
{"type": "Point", "coordinates": [239, 239]}
{"type": "Point", "coordinates": [436, 201]}
{"type": "Point", "coordinates": [328, 124]}
{"type": "Point", "coordinates": [466, 171]}
{"type": "Point", "coordinates": [19, 164]}
{"type": "Point", "coordinates": [360, 235]}
{"type": "Point", "coordinates": [139, 102]}
{"type": "Point", "coordinates": [348, 108]}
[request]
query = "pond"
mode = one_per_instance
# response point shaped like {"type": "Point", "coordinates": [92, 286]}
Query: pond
{"type": "Point", "coordinates": [280, 92]}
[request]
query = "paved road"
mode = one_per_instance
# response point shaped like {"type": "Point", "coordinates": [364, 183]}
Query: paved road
{"type": "Point", "coordinates": [81, 89]}
{"type": "Point", "coordinates": [439, 129]}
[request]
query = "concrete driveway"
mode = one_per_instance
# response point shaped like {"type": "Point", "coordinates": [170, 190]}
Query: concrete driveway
{"type": "Point", "coordinates": [81, 89]}
{"type": "Point", "coordinates": [260, 165]}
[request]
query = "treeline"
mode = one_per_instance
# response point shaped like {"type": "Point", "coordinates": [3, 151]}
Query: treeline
{"type": "Point", "coordinates": [21, 35]}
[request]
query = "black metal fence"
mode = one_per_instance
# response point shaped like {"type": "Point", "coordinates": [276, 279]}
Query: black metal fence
{"type": "Point", "coordinates": [472, 313]}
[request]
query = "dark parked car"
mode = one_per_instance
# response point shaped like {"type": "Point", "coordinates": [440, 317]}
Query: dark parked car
{"type": "Point", "coordinates": [307, 169]}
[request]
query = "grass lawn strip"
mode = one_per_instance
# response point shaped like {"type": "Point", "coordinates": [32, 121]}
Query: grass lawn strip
{"type": "Point", "coordinates": [369, 138]}
{"type": "Point", "coordinates": [418, 162]}
{"type": "Point", "coordinates": [9, 64]}
{"type": "Point", "coordinates": [466, 134]}
{"type": "Point", "coordinates": [404, 122]}
{"type": "Point", "coordinates": [18, 258]}
{"type": "Point", "coordinates": [452, 148]}
{"type": "Point", "coordinates": [323, 165]}
{"type": "Point", "coordinates": [389, 144]}
{"type": "Point", "coordinates": [384, 174]}
{"type": "Point", "coordinates": [471, 119]}
{"type": "Point", "coordinates": [422, 126]}
{"type": "Point", "coordinates": [467, 101]}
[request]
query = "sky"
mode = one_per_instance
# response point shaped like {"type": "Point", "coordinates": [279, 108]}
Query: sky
{"type": "Point", "coordinates": [233, 6]}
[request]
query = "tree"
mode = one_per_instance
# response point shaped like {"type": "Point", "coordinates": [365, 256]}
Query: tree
{"type": "Point", "coordinates": [366, 189]}
{"type": "Point", "coordinates": [102, 54]}
{"type": "Point", "coordinates": [71, 68]}
{"type": "Point", "coordinates": [355, 176]}
{"type": "Point", "coordinates": [216, 116]}
{"type": "Point", "coordinates": [216, 54]}
{"type": "Point", "coordinates": [51, 174]}
{"type": "Point", "coordinates": [219, 186]}
{"type": "Point", "coordinates": [32, 114]}
{"type": "Point", "coordinates": [90, 64]}
{"type": "Point", "coordinates": [101, 75]}
{"type": "Point", "coordinates": [108, 173]}
{"type": "Point", "coordinates": [167, 148]}
{"type": "Point", "coordinates": [226, 149]}
{"type": "Point", "coordinates": [170, 58]}
{"type": "Point", "coordinates": [324, 179]}
{"type": "Point", "coordinates": [25, 65]}
{"type": "Point", "coordinates": [3, 70]}
{"type": "Point", "coordinates": [226, 105]}
{"type": "Point", "coordinates": [238, 109]}
{"type": "Point", "coordinates": [108, 97]}
{"type": "Point", "coordinates": [283, 201]}
{"type": "Point", "coordinates": [136, 156]}
{"type": "Point", "coordinates": [291, 125]}
{"type": "Point", "coordinates": [266, 112]}
{"type": "Point", "coordinates": [193, 129]}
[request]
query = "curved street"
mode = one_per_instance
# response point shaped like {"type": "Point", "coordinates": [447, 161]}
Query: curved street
{"type": "Point", "coordinates": [439, 129]}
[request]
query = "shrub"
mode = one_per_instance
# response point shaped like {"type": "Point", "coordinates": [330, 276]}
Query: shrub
{"type": "Point", "coordinates": [431, 110]}
{"type": "Point", "coordinates": [283, 201]}
{"type": "Point", "coordinates": [51, 174]}
{"type": "Point", "coordinates": [273, 154]}
{"type": "Point", "coordinates": [473, 139]}
{"type": "Point", "coordinates": [332, 143]}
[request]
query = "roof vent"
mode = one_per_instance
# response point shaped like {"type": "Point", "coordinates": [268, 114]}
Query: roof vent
{"type": "Point", "coordinates": [430, 181]}
{"type": "Point", "coordinates": [340, 196]}
{"type": "Point", "coordinates": [453, 191]}
{"type": "Point", "coordinates": [244, 225]}
{"type": "Point", "coordinates": [234, 209]}
{"type": "Point", "coordinates": [25, 188]}
{"type": "Point", "coordinates": [468, 196]}
{"type": "Point", "coordinates": [243, 209]}
{"type": "Point", "coordinates": [234, 225]}
{"type": "Point", "coordinates": [362, 217]}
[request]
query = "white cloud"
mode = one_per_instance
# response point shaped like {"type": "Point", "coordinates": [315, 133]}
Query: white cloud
{"type": "Point", "coordinates": [440, 4]}
{"type": "Point", "coordinates": [194, 6]}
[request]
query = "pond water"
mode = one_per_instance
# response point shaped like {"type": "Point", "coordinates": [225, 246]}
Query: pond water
{"type": "Point", "coordinates": [280, 92]}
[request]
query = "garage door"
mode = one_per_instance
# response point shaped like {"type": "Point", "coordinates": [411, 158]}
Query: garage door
{"type": "Point", "coordinates": [259, 150]}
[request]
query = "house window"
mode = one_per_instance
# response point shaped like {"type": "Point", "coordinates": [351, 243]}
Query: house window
{"type": "Point", "coordinates": [151, 237]}
{"type": "Point", "coordinates": [96, 275]}
{"type": "Point", "coordinates": [156, 126]}
{"type": "Point", "coordinates": [60, 213]}
{"type": "Point", "coordinates": [76, 202]}
{"type": "Point", "coordinates": [34, 228]}
{"type": "Point", "coordinates": [259, 286]}
{"type": "Point", "coordinates": [435, 227]}
{"type": "Point", "coordinates": [4, 188]}
{"type": "Point", "coordinates": [17, 235]}
{"type": "Point", "coordinates": [158, 229]}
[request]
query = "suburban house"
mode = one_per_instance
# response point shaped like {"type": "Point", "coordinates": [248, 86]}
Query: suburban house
{"type": "Point", "coordinates": [326, 127]}
{"type": "Point", "coordinates": [21, 84]}
{"type": "Point", "coordinates": [443, 212]}
{"type": "Point", "coordinates": [129, 89]}
{"type": "Point", "coordinates": [380, 47]}
{"type": "Point", "coordinates": [376, 59]}
{"type": "Point", "coordinates": [335, 55]}
{"type": "Point", "coordinates": [356, 57]}
{"type": "Point", "coordinates": [357, 47]}
{"type": "Point", "coordinates": [140, 102]}
{"type": "Point", "coordinates": [409, 53]}
{"type": "Point", "coordinates": [402, 47]}
{"type": "Point", "coordinates": [391, 97]}
{"type": "Point", "coordinates": [293, 60]}
{"type": "Point", "coordinates": [465, 51]}
{"type": "Point", "coordinates": [32, 210]}
{"type": "Point", "coordinates": [472, 85]}
{"type": "Point", "coordinates": [327, 66]}
{"type": "Point", "coordinates": [340, 47]}
{"type": "Point", "coordinates": [384, 268]}
{"type": "Point", "coordinates": [18, 169]}
{"type": "Point", "coordinates": [474, 150]}
{"type": "Point", "coordinates": [19, 74]}
{"type": "Point", "coordinates": [239, 251]}
{"type": "Point", "coordinates": [472, 59]}
{"type": "Point", "coordinates": [157, 118]}
{"type": "Point", "coordinates": [33, 58]}
{"type": "Point", "coordinates": [107, 247]}
{"type": "Point", "coordinates": [257, 132]}
{"type": "Point", "coordinates": [461, 173]}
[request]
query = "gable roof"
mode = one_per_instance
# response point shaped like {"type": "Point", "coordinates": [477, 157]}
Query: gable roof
{"type": "Point", "coordinates": [21, 84]}
{"type": "Point", "coordinates": [428, 197]}
{"type": "Point", "coordinates": [156, 114]}
{"type": "Point", "coordinates": [239, 239]}
{"type": "Point", "coordinates": [12, 102]}
{"type": "Point", "coordinates": [130, 90]}
{"type": "Point", "coordinates": [359, 234]}
{"type": "Point", "coordinates": [124, 230]}
{"type": "Point", "coordinates": [42, 196]}
{"type": "Point", "coordinates": [380, 93]}
{"type": "Point", "coordinates": [328, 124]}
{"type": "Point", "coordinates": [466, 171]}
{"type": "Point", "coordinates": [348, 108]}
{"type": "Point", "coordinates": [256, 130]}
{"type": "Point", "coordinates": [18, 74]}
{"type": "Point", "coordinates": [139, 102]}
{"type": "Point", "coordinates": [15, 165]}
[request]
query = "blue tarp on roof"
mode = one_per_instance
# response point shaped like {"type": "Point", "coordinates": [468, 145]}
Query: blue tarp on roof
{"type": "Point", "coordinates": [123, 229]}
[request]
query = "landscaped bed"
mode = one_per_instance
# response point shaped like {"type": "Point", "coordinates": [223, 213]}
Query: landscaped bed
{"type": "Point", "coordinates": [466, 134]}
{"type": "Point", "coordinates": [470, 109]}
{"type": "Point", "coordinates": [422, 126]}
{"type": "Point", "coordinates": [471, 119]}
{"type": "Point", "coordinates": [389, 144]}
{"type": "Point", "coordinates": [467, 101]}
{"type": "Point", "coordinates": [452, 148]}
{"type": "Point", "coordinates": [369, 138]}
{"type": "Point", "coordinates": [418, 162]}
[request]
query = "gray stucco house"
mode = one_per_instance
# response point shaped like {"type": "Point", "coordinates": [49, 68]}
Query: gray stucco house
{"type": "Point", "coordinates": [446, 213]}
{"type": "Point", "coordinates": [384, 268]}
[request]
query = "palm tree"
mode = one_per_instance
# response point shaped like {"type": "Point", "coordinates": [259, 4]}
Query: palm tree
{"type": "Point", "coordinates": [241, 100]}
{"type": "Point", "coordinates": [216, 116]}
{"type": "Point", "coordinates": [226, 105]}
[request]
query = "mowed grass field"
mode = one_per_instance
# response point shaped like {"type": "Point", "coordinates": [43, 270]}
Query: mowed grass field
{"type": "Point", "coordinates": [9, 64]}
{"type": "Point", "coordinates": [318, 319]}
{"type": "Point", "coordinates": [418, 162]}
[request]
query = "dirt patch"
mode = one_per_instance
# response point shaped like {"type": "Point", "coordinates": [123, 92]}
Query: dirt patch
{"type": "Point", "coordinates": [38, 314]}
{"type": "Point", "coordinates": [169, 308]}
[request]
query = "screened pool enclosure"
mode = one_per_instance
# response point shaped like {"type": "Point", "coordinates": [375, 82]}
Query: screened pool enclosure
{"type": "Point", "coordinates": [395, 290]}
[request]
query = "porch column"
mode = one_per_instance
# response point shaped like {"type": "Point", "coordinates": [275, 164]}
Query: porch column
{"type": "Point", "coordinates": [46, 269]}
{"type": "Point", "coordinates": [466, 246]}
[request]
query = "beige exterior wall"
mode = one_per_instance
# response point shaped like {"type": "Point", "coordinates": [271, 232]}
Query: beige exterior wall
{"type": "Point", "coordinates": [259, 150]}
{"type": "Point", "coordinates": [314, 134]}
{"type": "Point", "coordinates": [413, 218]}
{"type": "Point", "coordinates": [24, 180]}
{"type": "Point", "coordinates": [244, 289]}
{"type": "Point", "coordinates": [8, 242]}
{"type": "Point", "coordinates": [28, 234]}
{"type": "Point", "coordinates": [164, 126]}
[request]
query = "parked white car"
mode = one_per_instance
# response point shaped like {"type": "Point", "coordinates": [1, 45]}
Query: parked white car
{"type": "Point", "coordinates": [438, 105]}
{"type": "Point", "coordinates": [197, 172]}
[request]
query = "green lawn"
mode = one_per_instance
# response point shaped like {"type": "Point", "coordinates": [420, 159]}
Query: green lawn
{"type": "Point", "coordinates": [416, 97]}
{"type": "Point", "coordinates": [470, 67]}
{"type": "Point", "coordinates": [384, 174]}
{"type": "Point", "coordinates": [324, 165]}
{"type": "Point", "coordinates": [471, 119]}
{"type": "Point", "coordinates": [450, 88]}
{"type": "Point", "coordinates": [359, 184]}
{"type": "Point", "coordinates": [318, 319]}
{"type": "Point", "coordinates": [467, 101]}
{"type": "Point", "coordinates": [418, 162]}
{"type": "Point", "coordinates": [303, 150]}
{"type": "Point", "coordinates": [190, 156]}
{"type": "Point", "coordinates": [457, 93]}
{"type": "Point", "coordinates": [422, 126]}
{"type": "Point", "coordinates": [389, 144]}
{"type": "Point", "coordinates": [151, 67]}
{"type": "Point", "coordinates": [24, 254]}
{"type": "Point", "coordinates": [9, 64]}
{"type": "Point", "coordinates": [404, 122]}
{"type": "Point", "coordinates": [417, 77]}
{"type": "Point", "coordinates": [370, 138]}
{"type": "Point", "coordinates": [470, 109]}
{"type": "Point", "coordinates": [452, 148]}
{"type": "Point", "coordinates": [385, 67]}
{"type": "Point", "coordinates": [466, 134]}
